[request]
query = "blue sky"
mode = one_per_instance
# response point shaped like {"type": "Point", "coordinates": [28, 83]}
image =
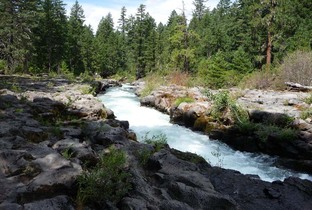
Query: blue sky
{"type": "Point", "coordinates": [160, 10]}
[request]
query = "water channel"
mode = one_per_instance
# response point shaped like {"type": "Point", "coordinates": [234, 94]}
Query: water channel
{"type": "Point", "coordinates": [147, 121]}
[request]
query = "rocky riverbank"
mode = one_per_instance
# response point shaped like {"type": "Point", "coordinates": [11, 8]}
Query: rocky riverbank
{"type": "Point", "coordinates": [52, 131]}
{"type": "Point", "coordinates": [274, 126]}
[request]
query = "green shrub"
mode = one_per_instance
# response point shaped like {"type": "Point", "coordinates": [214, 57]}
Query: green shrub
{"type": "Point", "coordinates": [107, 181]}
{"type": "Point", "coordinates": [246, 127]}
{"type": "Point", "coordinates": [157, 141]}
{"type": "Point", "coordinates": [87, 89]}
{"type": "Point", "coordinates": [186, 99]}
{"type": "Point", "coordinates": [306, 114]}
{"type": "Point", "coordinates": [308, 99]}
{"type": "Point", "coordinates": [223, 103]}
{"type": "Point", "coordinates": [282, 134]}
{"type": "Point", "coordinates": [86, 77]}
{"type": "Point", "coordinates": [3, 65]}
{"type": "Point", "coordinates": [144, 155]}
{"type": "Point", "coordinates": [67, 153]}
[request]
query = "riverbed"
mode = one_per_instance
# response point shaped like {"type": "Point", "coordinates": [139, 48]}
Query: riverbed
{"type": "Point", "coordinates": [148, 122]}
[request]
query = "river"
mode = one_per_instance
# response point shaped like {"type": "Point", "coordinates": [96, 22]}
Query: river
{"type": "Point", "coordinates": [147, 121]}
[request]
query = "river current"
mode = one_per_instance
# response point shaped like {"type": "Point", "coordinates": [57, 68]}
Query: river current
{"type": "Point", "coordinates": [147, 121]}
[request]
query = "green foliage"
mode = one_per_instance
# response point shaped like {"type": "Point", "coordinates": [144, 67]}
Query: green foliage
{"type": "Point", "coordinates": [87, 89]}
{"type": "Point", "coordinates": [158, 141]}
{"type": "Point", "coordinates": [67, 153]}
{"type": "Point", "coordinates": [16, 88]}
{"type": "Point", "coordinates": [246, 127]}
{"type": "Point", "coordinates": [86, 77]}
{"type": "Point", "coordinates": [307, 113]}
{"type": "Point", "coordinates": [107, 181]}
{"type": "Point", "coordinates": [66, 73]}
{"type": "Point", "coordinates": [219, 47]}
{"type": "Point", "coordinates": [281, 134]}
{"type": "Point", "coordinates": [185, 99]}
{"type": "Point", "coordinates": [3, 65]}
{"type": "Point", "coordinates": [144, 155]}
{"type": "Point", "coordinates": [308, 99]}
{"type": "Point", "coordinates": [223, 104]}
{"type": "Point", "coordinates": [56, 131]}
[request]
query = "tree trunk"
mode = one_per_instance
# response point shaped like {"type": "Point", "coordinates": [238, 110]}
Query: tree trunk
{"type": "Point", "coordinates": [269, 51]}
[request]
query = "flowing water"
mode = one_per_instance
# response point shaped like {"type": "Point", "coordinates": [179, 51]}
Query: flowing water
{"type": "Point", "coordinates": [147, 121]}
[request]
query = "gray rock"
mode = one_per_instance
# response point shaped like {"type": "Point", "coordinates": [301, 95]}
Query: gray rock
{"type": "Point", "coordinates": [10, 206]}
{"type": "Point", "coordinates": [34, 134]}
{"type": "Point", "coordinates": [13, 162]}
{"type": "Point", "coordinates": [61, 202]}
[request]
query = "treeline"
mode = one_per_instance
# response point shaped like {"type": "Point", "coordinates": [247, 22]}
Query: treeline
{"type": "Point", "coordinates": [220, 45]}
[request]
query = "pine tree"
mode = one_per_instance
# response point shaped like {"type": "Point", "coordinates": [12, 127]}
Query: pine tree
{"type": "Point", "coordinates": [17, 21]}
{"type": "Point", "coordinates": [75, 32]}
{"type": "Point", "coordinates": [122, 40]}
{"type": "Point", "coordinates": [182, 54]}
{"type": "Point", "coordinates": [107, 43]}
{"type": "Point", "coordinates": [52, 35]}
{"type": "Point", "coordinates": [88, 49]}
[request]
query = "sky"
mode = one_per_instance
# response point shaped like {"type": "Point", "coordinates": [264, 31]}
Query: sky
{"type": "Point", "coordinates": [160, 10]}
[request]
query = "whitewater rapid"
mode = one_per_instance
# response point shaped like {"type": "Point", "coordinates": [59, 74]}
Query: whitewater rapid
{"type": "Point", "coordinates": [147, 121]}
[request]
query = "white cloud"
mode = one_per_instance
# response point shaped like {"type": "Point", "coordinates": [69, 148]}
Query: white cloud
{"type": "Point", "coordinates": [159, 9]}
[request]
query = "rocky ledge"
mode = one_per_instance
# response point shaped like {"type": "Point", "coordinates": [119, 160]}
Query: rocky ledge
{"type": "Point", "coordinates": [52, 132]}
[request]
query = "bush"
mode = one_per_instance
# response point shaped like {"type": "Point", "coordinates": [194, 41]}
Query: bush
{"type": "Point", "coordinates": [223, 104]}
{"type": "Point", "coordinates": [297, 67]}
{"type": "Point", "coordinates": [281, 134]}
{"type": "Point", "coordinates": [259, 80]}
{"type": "Point", "coordinates": [107, 181]}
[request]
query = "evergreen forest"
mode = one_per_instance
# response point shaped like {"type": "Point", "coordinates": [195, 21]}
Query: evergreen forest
{"type": "Point", "coordinates": [220, 47]}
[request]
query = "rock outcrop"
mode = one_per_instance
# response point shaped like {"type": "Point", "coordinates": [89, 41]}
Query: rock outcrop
{"type": "Point", "coordinates": [50, 133]}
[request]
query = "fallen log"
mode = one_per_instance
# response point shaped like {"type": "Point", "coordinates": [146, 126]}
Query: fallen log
{"type": "Point", "coordinates": [298, 87]}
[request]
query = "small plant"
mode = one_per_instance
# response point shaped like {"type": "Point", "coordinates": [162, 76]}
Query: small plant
{"type": "Point", "coordinates": [218, 155]}
{"type": "Point", "coordinates": [87, 89]}
{"type": "Point", "coordinates": [144, 155]}
{"type": "Point", "coordinates": [246, 127]}
{"type": "Point", "coordinates": [157, 141]}
{"type": "Point", "coordinates": [16, 88]}
{"type": "Point", "coordinates": [56, 131]}
{"type": "Point", "coordinates": [107, 181]}
{"type": "Point", "coordinates": [308, 99]}
{"type": "Point", "coordinates": [307, 113]}
{"type": "Point", "coordinates": [185, 99]}
{"type": "Point", "coordinates": [23, 99]}
{"type": "Point", "coordinates": [70, 101]}
{"type": "Point", "coordinates": [19, 110]}
{"type": "Point", "coordinates": [68, 153]}
{"type": "Point", "coordinates": [50, 85]}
